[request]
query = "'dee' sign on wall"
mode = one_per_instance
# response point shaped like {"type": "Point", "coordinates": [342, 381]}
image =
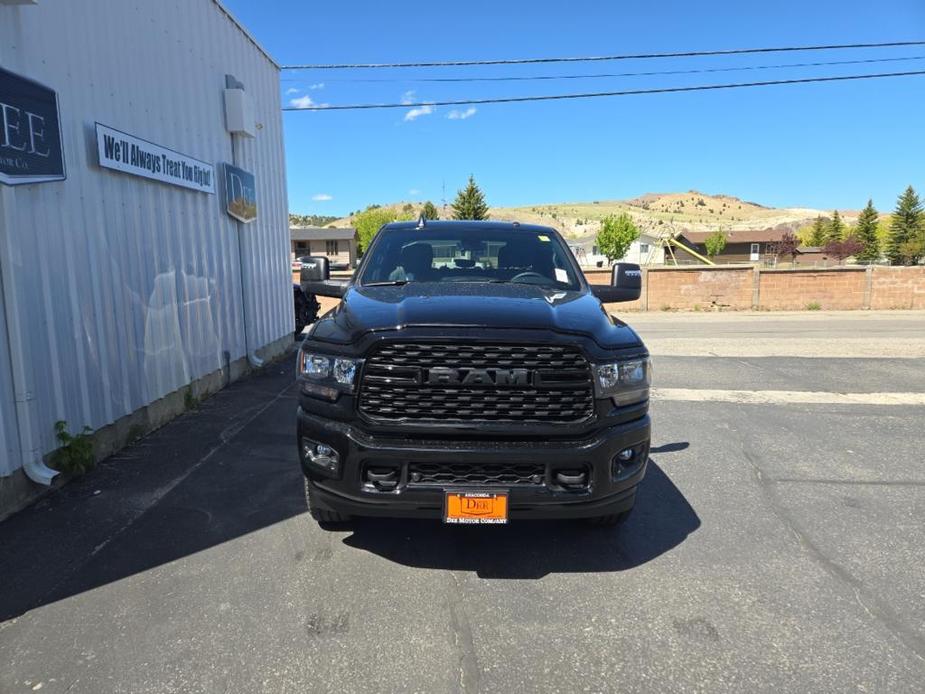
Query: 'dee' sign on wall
{"type": "Point", "coordinates": [30, 132]}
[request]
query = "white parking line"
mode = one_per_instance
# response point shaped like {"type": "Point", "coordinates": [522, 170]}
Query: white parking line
{"type": "Point", "coordinates": [784, 397]}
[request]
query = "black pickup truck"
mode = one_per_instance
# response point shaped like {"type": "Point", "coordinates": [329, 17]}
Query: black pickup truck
{"type": "Point", "coordinates": [471, 374]}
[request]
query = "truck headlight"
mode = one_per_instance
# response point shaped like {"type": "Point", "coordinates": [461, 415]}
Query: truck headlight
{"type": "Point", "coordinates": [324, 376]}
{"type": "Point", "coordinates": [626, 382]}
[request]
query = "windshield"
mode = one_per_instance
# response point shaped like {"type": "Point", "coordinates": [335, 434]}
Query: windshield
{"type": "Point", "coordinates": [469, 255]}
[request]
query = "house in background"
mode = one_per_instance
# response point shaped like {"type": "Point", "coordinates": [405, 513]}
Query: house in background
{"type": "Point", "coordinates": [645, 250]}
{"type": "Point", "coordinates": [747, 246]}
{"type": "Point", "coordinates": [339, 245]}
{"type": "Point", "coordinates": [751, 246]}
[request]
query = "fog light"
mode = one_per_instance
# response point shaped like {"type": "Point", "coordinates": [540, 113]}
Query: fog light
{"type": "Point", "coordinates": [321, 455]}
{"type": "Point", "coordinates": [625, 460]}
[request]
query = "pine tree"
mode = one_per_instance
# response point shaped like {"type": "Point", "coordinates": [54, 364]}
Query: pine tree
{"type": "Point", "coordinates": [835, 231]}
{"type": "Point", "coordinates": [818, 236]}
{"type": "Point", "coordinates": [429, 211]}
{"type": "Point", "coordinates": [470, 202]}
{"type": "Point", "coordinates": [907, 225]}
{"type": "Point", "coordinates": [866, 234]}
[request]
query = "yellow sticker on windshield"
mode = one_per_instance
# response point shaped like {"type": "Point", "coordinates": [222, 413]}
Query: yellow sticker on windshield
{"type": "Point", "coordinates": [543, 237]}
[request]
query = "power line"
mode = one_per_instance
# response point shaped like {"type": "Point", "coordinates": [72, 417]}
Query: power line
{"type": "Point", "coordinates": [650, 73]}
{"type": "Point", "coordinates": [591, 95]}
{"type": "Point", "coordinates": [600, 58]}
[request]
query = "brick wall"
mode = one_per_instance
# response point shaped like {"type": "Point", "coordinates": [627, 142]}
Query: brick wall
{"type": "Point", "coordinates": [796, 290]}
{"type": "Point", "coordinates": [897, 287]}
{"type": "Point", "coordinates": [704, 288]}
{"type": "Point", "coordinates": [738, 287]}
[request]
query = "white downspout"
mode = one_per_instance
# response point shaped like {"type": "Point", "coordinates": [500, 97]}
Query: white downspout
{"type": "Point", "coordinates": [29, 447]}
{"type": "Point", "coordinates": [252, 358]}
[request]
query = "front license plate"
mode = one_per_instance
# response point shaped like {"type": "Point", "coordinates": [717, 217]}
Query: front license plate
{"type": "Point", "coordinates": [475, 507]}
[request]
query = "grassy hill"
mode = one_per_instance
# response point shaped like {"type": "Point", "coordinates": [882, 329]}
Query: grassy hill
{"type": "Point", "coordinates": [653, 212]}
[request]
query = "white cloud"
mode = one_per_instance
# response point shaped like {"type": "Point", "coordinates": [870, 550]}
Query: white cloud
{"type": "Point", "coordinates": [318, 85]}
{"type": "Point", "coordinates": [292, 90]}
{"type": "Point", "coordinates": [417, 112]}
{"type": "Point", "coordinates": [305, 102]}
{"type": "Point", "coordinates": [408, 97]}
{"type": "Point", "coordinates": [322, 197]}
{"type": "Point", "coordinates": [461, 115]}
{"type": "Point", "coordinates": [414, 192]}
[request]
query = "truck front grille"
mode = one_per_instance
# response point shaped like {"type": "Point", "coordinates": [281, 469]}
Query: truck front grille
{"type": "Point", "coordinates": [477, 474]}
{"type": "Point", "coordinates": [476, 382]}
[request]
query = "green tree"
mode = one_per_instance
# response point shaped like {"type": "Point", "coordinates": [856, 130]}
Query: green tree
{"type": "Point", "coordinates": [866, 234]}
{"type": "Point", "coordinates": [616, 235]}
{"type": "Point", "coordinates": [369, 221]}
{"type": "Point", "coordinates": [908, 224]}
{"type": "Point", "coordinates": [835, 230]}
{"type": "Point", "coordinates": [817, 237]}
{"type": "Point", "coordinates": [470, 202]}
{"type": "Point", "coordinates": [715, 243]}
{"type": "Point", "coordinates": [430, 211]}
{"type": "Point", "coordinates": [913, 250]}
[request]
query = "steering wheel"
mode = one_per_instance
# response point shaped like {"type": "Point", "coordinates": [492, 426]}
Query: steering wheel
{"type": "Point", "coordinates": [528, 273]}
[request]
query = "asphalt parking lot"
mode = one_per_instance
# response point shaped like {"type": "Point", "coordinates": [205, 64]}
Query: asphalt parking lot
{"type": "Point", "coordinates": [776, 546]}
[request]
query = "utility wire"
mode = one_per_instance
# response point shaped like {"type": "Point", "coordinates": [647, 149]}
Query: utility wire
{"type": "Point", "coordinates": [531, 78]}
{"type": "Point", "coordinates": [599, 58]}
{"type": "Point", "coordinates": [591, 95]}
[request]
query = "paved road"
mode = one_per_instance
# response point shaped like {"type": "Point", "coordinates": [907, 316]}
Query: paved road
{"type": "Point", "coordinates": [775, 548]}
{"type": "Point", "coordinates": [876, 334]}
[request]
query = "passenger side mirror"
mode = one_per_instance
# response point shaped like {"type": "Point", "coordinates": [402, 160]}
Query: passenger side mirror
{"type": "Point", "coordinates": [625, 284]}
{"type": "Point", "coordinates": [315, 278]}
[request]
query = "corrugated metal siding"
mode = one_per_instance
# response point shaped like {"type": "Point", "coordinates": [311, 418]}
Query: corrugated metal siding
{"type": "Point", "coordinates": [9, 443]}
{"type": "Point", "coordinates": [134, 286]}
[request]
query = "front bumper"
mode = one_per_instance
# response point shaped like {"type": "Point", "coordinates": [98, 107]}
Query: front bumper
{"type": "Point", "coordinates": [610, 489]}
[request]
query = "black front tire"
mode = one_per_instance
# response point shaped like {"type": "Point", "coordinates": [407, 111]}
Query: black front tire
{"type": "Point", "coordinates": [322, 515]}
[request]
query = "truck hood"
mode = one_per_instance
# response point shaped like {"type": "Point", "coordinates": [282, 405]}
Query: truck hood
{"type": "Point", "coordinates": [476, 305]}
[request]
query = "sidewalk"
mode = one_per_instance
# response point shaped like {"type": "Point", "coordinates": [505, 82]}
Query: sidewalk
{"type": "Point", "coordinates": [203, 471]}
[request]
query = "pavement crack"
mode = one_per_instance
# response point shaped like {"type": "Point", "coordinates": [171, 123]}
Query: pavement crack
{"type": "Point", "coordinates": [860, 483]}
{"type": "Point", "coordinates": [467, 664]}
{"type": "Point", "coordinates": [873, 607]}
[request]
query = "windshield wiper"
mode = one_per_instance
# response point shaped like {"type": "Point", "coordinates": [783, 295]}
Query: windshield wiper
{"type": "Point", "coordinates": [386, 283]}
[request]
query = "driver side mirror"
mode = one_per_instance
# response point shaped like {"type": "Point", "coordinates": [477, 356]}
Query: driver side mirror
{"type": "Point", "coordinates": [315, 278]}
{"type": "Point", "coordinates": [625, 284]}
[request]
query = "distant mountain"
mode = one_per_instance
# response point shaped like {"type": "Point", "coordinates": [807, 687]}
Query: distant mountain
{"type": "Point", "coordinates": [311, 220]}
{"type": "Point", "coordinates": [652, 212]}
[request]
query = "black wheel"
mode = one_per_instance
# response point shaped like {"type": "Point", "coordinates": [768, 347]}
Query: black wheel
{"type": "Point", "coordinates": [322, 515]}
{"type": "Point", "coordinates": [306, 309]}
{"type": "Point", "coordinates": [610, 520]}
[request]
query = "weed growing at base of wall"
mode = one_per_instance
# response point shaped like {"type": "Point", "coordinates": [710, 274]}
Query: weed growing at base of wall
{"type": "Point", "coordinates": [76, 452]}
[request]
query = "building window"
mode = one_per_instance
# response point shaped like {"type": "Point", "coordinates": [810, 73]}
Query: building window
{"type": "Point", "coordinates": [593, 250]}
{"type": "Point", "coordinates": [756, 248]}
{"type": "Point", "coordinates": [643, 249]}
{"type": "Point", "coordinates": [330, 247]}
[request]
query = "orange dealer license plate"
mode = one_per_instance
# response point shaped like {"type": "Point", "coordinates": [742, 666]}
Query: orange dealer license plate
{"type": "Point", "coordinates": [475, 507]}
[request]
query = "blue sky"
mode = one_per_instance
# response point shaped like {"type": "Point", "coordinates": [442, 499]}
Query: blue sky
{"type": "Point", "coordinates": [820, 145]}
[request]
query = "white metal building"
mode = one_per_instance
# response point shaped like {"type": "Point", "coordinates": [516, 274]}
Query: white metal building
{"type": "Point", "coordinates": [121, 290]}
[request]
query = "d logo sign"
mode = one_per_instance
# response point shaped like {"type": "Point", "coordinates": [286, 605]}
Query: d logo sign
{"type": "Point", "coordinates": [30, 133]}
